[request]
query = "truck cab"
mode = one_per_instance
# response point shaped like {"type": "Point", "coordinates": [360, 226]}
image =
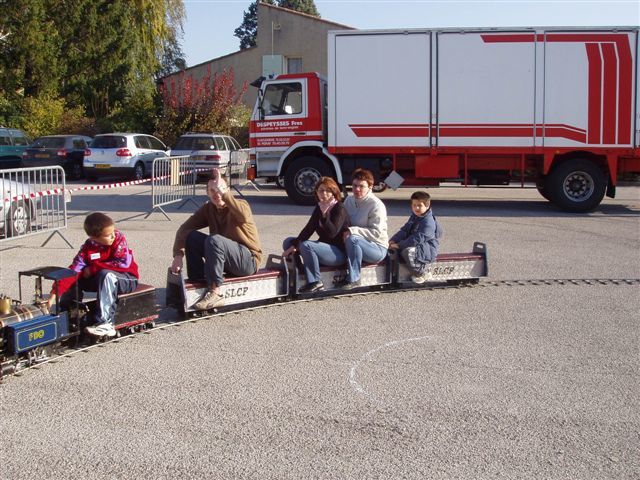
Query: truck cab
{"type": "Point", "coordinates": [288, 126]}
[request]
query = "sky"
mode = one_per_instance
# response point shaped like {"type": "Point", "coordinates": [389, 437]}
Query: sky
{"type": "Point", "coordinates": [209, 25]}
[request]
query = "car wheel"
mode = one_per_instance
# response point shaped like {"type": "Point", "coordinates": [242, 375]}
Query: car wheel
{"type": "Point", "coordinates": [18, 222]}
{"type": "Point", "coordinates": [138, 171]}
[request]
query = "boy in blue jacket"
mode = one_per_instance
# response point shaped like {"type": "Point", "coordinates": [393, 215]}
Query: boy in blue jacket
{"type": "Point", "coordinates": [418, 239]}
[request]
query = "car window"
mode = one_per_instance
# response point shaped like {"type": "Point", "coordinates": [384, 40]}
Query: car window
{"type": "Point", "coordinates": [156, 144]}
{"type": "Point", "coordinates": [203, 143]}
{"type": "Point", "coordinates": [184, 143]}
{"type": "Point", "coordinates": [141, 142]}
{"type": "Point", "coordinates": [109, 141]}
{"type": "Point", "coordinates": [79, 143]}
{"type": "Point", "coordinates": [237, 145]}
{"type": "Point", "coordinates": [5, 139]}
{"type": "Point", "coordinates": [220, 145]}
{"type": "Point", "coordinates": [231, 144]}
{"type": "Point", "coordinates": [48, 142]}
{"type": "Point", "coordinates": [19, 138]}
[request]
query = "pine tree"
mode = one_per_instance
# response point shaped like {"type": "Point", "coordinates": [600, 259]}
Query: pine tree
{"type": "Point", "coordinates": [304, 6]}
{"type": "Point", "coordinates": [248, 29]}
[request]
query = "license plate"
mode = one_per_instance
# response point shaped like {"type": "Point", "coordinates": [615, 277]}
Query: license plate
{"type": "Point", "coordinates": [41, 155]}
{"type": "Point", "coordinates": [103, 165]}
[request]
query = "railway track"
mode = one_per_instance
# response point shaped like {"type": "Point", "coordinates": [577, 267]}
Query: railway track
{"type": "Point", "coordinates": [163, 325]}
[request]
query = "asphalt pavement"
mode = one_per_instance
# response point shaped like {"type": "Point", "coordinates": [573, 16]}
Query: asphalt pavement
{"type": "Point", "coordinates": [531, 379]}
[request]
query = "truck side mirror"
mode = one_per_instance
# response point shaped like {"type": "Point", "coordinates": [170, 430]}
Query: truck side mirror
{"type": "Point", "coordinates": [260, 100]}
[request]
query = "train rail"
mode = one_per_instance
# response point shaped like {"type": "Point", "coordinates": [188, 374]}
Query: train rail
{"type": "Point", "coordinates": [165, 324]}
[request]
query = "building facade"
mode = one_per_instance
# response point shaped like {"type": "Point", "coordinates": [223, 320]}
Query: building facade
{"type": "Point", "coordinates": [287, 42]}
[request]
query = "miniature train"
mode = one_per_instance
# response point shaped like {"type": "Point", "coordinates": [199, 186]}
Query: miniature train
{"type": "Point", "coordinates": [30, 334]}
{"type": "Point", "coordinates": [281, 280]}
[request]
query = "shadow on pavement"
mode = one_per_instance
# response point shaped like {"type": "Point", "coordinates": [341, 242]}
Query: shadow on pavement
{"type": "Point", "coordinates": [139, 204]}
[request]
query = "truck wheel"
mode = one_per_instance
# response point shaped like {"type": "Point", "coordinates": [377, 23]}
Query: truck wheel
{"type": "Point", "coordinates": [576, 185]}
{"type": "Point", "coordinates": [543, 189]}
{"type": "Point", "coordinates": [18, 222]}
{"type": "Point", "coordinates": [301, 178]}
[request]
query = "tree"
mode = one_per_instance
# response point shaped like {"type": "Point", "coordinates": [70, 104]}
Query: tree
{"type": "Point", "coordinates": [99, 55]}
{"type": "Point", "coordinates": [248, 29]}
{"type": "Point", "coordinates": [29, 62]}
{"type": "Point", "coordinates": [304, 6]}
{"type": "Point", "coordinates": [210, 104]}
{"type": "Point", "coordinates": [172, 60]}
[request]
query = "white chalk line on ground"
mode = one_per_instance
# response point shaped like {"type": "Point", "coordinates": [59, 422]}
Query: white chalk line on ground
{"type": "Point", "coordinates": [357, 386]}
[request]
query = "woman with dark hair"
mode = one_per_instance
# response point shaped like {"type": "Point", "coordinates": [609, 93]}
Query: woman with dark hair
{"type": "Point", "coordinates": [329, 219]}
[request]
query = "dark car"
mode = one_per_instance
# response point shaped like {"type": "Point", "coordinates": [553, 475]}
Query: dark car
{"type": "Point", "coordinates": [12, 143]}
{"type": "Point", "coordinates": [67, 151]}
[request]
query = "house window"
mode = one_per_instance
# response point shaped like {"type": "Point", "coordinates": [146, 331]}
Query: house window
{"type": "Point", "coordinates": [294, 65]}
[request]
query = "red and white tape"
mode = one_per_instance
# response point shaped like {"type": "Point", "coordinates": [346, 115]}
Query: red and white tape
{"type": "Point", "coordinates": [57, 191]}
{"type": "Point", "coordinates": [113, 185]}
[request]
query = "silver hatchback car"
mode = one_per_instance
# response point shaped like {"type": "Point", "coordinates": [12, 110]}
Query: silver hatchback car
{"type": "Point", "coordinates": [207, 150]}
{"type": "Point", "coordinates": [122, 154]}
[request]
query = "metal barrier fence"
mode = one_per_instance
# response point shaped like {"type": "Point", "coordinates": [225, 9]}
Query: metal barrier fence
{"type": "Point", "coordinates": [34, 201]}
{"type": "Point", "coordinates": [238, 171]}
{"type": "Point", "coordinates": [173, 179]}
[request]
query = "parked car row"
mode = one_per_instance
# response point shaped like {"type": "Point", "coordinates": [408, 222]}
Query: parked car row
{"type": "Point", "coordinates": [111, 154]}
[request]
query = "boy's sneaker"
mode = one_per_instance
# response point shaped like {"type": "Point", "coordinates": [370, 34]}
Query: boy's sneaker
{"type": "Point", "coordinates": [210, 300]}
{"type": "Point", "coordinates": [419, 279]}
{"type": "Point", "coordinates": [101, 330]}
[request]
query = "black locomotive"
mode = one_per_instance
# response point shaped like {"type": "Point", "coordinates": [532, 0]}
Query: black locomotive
{"type": "Point", "coordinates": [31, 334]}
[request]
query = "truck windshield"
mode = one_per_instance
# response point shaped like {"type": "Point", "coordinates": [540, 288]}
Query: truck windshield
{"type": "Point", "coordinates": [283, 99]}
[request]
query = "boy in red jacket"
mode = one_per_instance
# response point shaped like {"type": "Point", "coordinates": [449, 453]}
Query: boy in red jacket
{"type": "Point", "coordinates": [104, 265]}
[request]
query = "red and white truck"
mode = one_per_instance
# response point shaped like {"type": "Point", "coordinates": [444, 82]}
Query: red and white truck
{"type": "Point", "coordinates": [557, 108]}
